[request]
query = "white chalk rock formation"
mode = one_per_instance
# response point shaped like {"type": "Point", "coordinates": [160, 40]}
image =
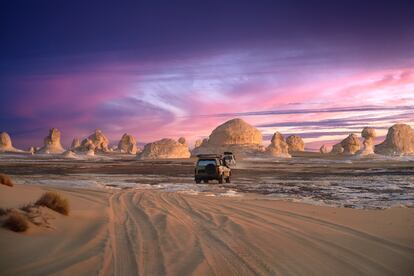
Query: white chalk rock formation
{"type": "Point", "coordinates": [324, 149]}
{"type": "Point", "coordinates": [87, 145]}
{"type": "Point", "coordinates": [337, 149]}
{"type": "Point", "coordinates": [6, 144]}
{"type": "Point", "coordinates": [278, 146]}
{"type": "Point", "coordinates": [75, 144]}
{"type": "Point", "coordinates": [350, 145]}
{"type": "Point", "coordinates": [100, 141]}
{"type": "Point", "coordinates": [235, 132]}
{"type": "Point", "coordinates": [51, 143]}
{"type": "Point", "coordinates": [295, 143]}
{"type": "Point", "coordinates": [235, 136]}
{"type": "Point", "coordinates": [182, 140]}
{"type": "Point", "coordinates": [31, 150]}
{"type": "Point", "coordinates": [127, 144]}
{"type": "Point", "coordinates": [369, 134]}
{"type": "Point", "coordinates": [198, 143]}
{"type": "Point", "coordinates": [164, 149]}
{"type": "Point", "coordinates": [399, 141]}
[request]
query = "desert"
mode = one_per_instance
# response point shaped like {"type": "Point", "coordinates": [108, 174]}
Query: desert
{"type": "Point", "coordinates": [337, 213]}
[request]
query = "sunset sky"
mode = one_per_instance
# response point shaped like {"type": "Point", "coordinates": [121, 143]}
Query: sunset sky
{"type": "Point", "coordinates": [156, 69]}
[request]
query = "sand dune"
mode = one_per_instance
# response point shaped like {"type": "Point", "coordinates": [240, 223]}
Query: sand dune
{"type": "Point", "coordinates": [142, 232]}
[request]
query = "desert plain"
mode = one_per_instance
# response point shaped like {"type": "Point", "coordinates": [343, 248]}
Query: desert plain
{"type": "Point", "coordinates": [312, 214]}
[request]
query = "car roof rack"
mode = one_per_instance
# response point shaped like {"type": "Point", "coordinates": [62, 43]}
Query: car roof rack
{"type": "Point", "coordinates": [209, 156]}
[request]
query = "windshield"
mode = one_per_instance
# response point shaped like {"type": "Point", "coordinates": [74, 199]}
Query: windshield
{"type": "Point", "coordinates": [203, 163]}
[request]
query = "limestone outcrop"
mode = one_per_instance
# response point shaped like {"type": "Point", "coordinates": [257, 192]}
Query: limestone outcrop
{"type": "Point", "coordinates": [51, 143]}
{"type": "Point", "coordinates": [399, 141]}
{"type": "Point", "coordinates": [369, 134]}
{"type": "Point", "coordinates": [75, 144]}
{"type": "Point", "coordinates": [164, 149]}
{"type": "Point", "coordinates": [278, 146]}
{"type": "Point", "coordinates": [295, 143]}
{"type": "Point", "coordinates": [235, 136]}
{"type": "Point", "coordinates": [349, 146]}
{"type": "Point", "coordinates": [100, 141]}
{"type": "Point", "coordinates": [235, 132]}
{"type": "Point", "coordinates": [6, 144]}
{"type": "Point", "coordinates": [128, 144]}
{"type": "Point", "coordinates": [324, 149]}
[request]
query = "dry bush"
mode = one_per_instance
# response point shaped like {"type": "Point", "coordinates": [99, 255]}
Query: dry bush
{"type": "Point", "coordinates": [5, 180]}
{"type": "Point", "coordinates": [54, 201]}
{"type": "Point", "coordinates": [16, 222]}
{"type": "Point", "coordinates": [26, 207]}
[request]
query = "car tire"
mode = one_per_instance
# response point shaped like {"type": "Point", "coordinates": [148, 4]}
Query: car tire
{"type": "Point", "coordinates": [198, 181]}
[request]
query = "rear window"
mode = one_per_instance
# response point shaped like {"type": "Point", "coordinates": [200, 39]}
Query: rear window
{"type": "Point", "coordinates": [203, 163]}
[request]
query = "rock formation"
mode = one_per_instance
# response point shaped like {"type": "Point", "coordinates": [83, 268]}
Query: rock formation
{"type": "Point", "coordinates": [337, 149]}
{"type": "Point", "coordinates": [399, 141]}
{"type": "Point", "coordinates": [198, 143]}
{"type": "Point", "coordinates": [128, 144]}
{"type": "Point", "coordinates": [75, 144]}
{"type": "Point", "coordinates": [163, 149]}
{"type": "Point", "coordinates": [87, 145]}
{"type": "Point", "coordinates": [235, 136]}
{"type": "Point", "coordinates": [278, 146]}
{"type": "Point", "coordinates": [368, 133]}
{"type": "Point", "coordinates": [350, 145]}
{"type": "Point", "coordinates": [6, 143]}
{"type": "Point", "coordinates": [295, 143]}
{"type": "Point", "coordinates": [100, 141]}
{"type": "Point", "coordinates": [51, 143]}
{"type": "Point", "coordinates": [182, 140]}
{"type": "Point", "coordinates": [235, 132]}
{"type": "Point", "coordinates": [324, 149]}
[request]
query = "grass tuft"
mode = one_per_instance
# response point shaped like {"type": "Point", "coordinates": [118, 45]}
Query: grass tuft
{"type": "Point", "coordinates": [54, 201]}
{"type": "Point", "coordinates": [6, 180]}
{"type": "Point", "coordinates": [16, 222]}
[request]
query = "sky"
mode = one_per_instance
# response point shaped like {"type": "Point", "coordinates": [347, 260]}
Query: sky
{"type": "Point", "coordinates": [156, 69]}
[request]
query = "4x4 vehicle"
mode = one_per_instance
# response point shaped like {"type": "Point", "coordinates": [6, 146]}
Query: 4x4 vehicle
{"type": "Point", "coordinates": [229, 159]}
{"type": "Point", "coordinates": [211, 167]}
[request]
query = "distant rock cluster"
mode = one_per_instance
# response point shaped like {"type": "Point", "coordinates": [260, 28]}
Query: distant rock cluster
{"type": "Point", "coordinates": [235, 135]}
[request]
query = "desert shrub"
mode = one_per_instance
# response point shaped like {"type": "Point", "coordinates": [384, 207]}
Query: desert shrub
{"type": "Point", "coordinates": [54, 201]}
{"type": "Point", "coordinates": [26, 207]}
{"type": "Point", "coordinates": [5, 180]}
{"type": "Point", "coordinates": [16, 222]}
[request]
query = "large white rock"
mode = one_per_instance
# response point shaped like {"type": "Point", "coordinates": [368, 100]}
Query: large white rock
{"type": "Point", "coordinates": [350, 145]}
{"type": "Point", "coordinates": [164, 149]}
{"type": "Point", "coordinates": [100, 141]}
{"type": "Point", "coordinates": [75, 144]}
{"type": "Point", "coordinates": [295, 143]}
{"type": "Point", "coordinates": [369, 134]}
{"type": "Point", "coordinates": [6, 144]}
{"type": "Point", "coordinates": [278, 146]}
{"type": "Point", "coordinates": [235, 136]}
{"type": "Point", "coordinates": [324, 149]}
{"type": "Point", "coordinates": [51, 143]}
{"type": "Point", "coordinates": [399, 141]}
{"type": "Point", "coordinates": [128, 144]}
{"type": "Point", "coordinates": [235, 132]}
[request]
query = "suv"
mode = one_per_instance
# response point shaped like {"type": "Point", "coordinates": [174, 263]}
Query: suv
{"type": "Point", "coordinates": [211, 167]}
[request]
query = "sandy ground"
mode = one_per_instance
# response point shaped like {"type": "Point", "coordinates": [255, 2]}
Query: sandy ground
{"type": "Point", "coordinates": [148, 232]}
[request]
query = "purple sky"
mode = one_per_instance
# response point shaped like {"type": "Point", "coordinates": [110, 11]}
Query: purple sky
{"type": "Point", "coordinates": [158, 69]}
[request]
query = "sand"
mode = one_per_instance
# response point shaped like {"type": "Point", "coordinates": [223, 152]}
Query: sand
{"type": "Point", "coordinates": [147, 232]}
